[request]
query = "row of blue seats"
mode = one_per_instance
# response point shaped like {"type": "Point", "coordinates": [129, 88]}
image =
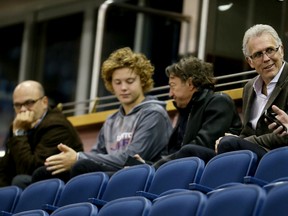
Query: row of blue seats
{"type": "Point", "coordinates": [186, 173]}
{"type": "Point", "coordinates": [239, 200]}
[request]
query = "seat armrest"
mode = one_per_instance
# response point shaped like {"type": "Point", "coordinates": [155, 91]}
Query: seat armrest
{"type": "Point", "coordinates": [147, 195]}
{"type": "Point", "coordinates": [4, 213]}
{"type": "Point", "coordinates": [49, 208]}
{"type": "Point", "coordinates": [253, 180]}
{"type": "Point", "coordinates": [97, 202]}
{"type": "Point", "coordinates": [199, 187]}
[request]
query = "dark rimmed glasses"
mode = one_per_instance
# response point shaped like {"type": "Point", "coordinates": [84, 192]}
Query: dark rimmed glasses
{"type": "Point", "coordinates": [270, 52]}
{"type": "Point", "coordinates": [27, 104]}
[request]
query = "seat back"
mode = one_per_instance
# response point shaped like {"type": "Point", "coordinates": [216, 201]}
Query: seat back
{"type": "Point", "coordinates": [132, 206]}
{"type": "Point", "coordinates": [38, 194]}
{"type": "Point", "coordinates": [229, 167]}
{"type": "Point", "coordinates": [240, 200]}
{"type": "Point", "coordinates": [188, 203]}
{"type": "Point", "coordinates": [177, 174]}
{"type": "Point", "coordinates": [76, 209]}
{"type": "Point", "coordinates": [9, 197]}
{"type": "Point", "coordinates": [37, 212]}
{"type": "Point", "coordinates": [273, 165]}
{"type": "Point", "coordinates": [127, 181]}
{"type": "Point", "coordinates": [81, 187]}
{"type": "Point", "coordinates": [276, 201]}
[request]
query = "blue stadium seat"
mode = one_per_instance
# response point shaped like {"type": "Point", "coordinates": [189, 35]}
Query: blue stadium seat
{"type": "Point", "coordinates": [37, 194]}
{"type": "Point", "coordinates": [272, 167]}
{"type": "Point", "coordinates": [188, 203]}
{"type": "Point", "coordinates": [175, 174]}
{"type": "Point", "coordinates": [37, 212]}
{"type": "Point", "coordinates": [126, 182]}
{"type": "Point", "coordinates": [76, 209]}
{"type": "Point", "coordinates": [80, 189]}
{"type": "Point", "coordinates": [239, 200]}
{"type": "Point", "coordinates": [276, 201]}
{"type": "Point", "coordinates": [226, 169]}
{"type": "Point", "coordinates": [127, 206]}
{"type": "Point", "coordinates": [9, 197]}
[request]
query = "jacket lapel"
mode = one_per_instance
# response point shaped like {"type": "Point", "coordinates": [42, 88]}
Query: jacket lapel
{"type": "Point", "coordinates": [283, 79]}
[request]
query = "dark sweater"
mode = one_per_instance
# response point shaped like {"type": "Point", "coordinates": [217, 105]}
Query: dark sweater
{"type": "Point", "coordinates": [26, 153]}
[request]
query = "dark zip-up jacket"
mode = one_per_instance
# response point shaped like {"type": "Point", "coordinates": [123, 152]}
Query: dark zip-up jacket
{"type": "Point", "coordinates": [206, 118]}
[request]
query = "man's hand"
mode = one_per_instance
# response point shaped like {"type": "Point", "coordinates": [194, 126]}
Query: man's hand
{"type": "Point", "coordinates": [61, 162]}
{"type": "Point", "coordinates": [217, 143]}
{"type": "Point", "coordinates": [139, 158]}
{"type": "Point", "coordinates": [283, 118]}
{"type": "Point", "coordinates": [24, 120]}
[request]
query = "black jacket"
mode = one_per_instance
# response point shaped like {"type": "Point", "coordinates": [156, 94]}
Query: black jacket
{"type": "Point", "coordinates": [206, 118]}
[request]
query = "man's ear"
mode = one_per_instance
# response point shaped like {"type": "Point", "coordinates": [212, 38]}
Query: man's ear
{"type": "Point", "coordinates": [45, 99]}
{"type": "Point", "coordinates": [282, 51]}
{"type": "Point", "coordinates": [189, 81]}
{"type": "Point", "coordinates": [250, 62]}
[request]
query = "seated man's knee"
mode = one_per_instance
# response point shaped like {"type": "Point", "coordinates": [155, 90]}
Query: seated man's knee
{"type": "Point", "coordinates": [21, 181]}
{"type": "Point", "coordinates": [83, 166]}
{"type": "Point", "coordinates": [186, 151]}
{"type": "Point", "coordinates": [40, 174]}
{"type": "Point", "coordinates": [227, 143]}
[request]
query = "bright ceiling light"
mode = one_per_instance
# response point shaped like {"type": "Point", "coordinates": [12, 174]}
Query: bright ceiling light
{"type": "Point", "coordinates": [225, 7]}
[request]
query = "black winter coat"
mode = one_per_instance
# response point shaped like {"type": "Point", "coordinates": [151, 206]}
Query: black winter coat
{"type": "Point", "coordinates": [206, 118]}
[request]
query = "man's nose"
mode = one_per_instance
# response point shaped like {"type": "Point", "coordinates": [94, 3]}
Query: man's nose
{"type": "Point", "coordinates": [23, 108]}
{"type": "Point", "coordinates": [265, 56]}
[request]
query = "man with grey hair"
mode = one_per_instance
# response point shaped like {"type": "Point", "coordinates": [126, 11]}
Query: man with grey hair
{"type": "Point", "coordinates": [263, 50]}
{"type": "Point", "coordinates": [34, 135]}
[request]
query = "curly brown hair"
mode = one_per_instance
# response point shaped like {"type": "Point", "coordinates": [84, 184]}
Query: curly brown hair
{"type": "Point", "coordinates": [189, 66]}
{"type": "Point", "coordinates": [126, 58]}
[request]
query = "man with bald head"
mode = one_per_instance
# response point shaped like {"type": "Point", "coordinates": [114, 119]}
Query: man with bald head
{"type": "Point", "coordinates": [34, 135]}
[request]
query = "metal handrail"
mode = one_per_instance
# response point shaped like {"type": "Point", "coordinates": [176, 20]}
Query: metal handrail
{"type": "Point", "coordinates": [100, 34]}
{"type": "Point", "coordinates": [236, 75]}
{"type": "Point", "coordinates": [101, 102]}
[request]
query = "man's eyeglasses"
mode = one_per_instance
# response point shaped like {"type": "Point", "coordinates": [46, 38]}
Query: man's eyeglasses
{"type": "Point", "coordinates": [270, 52]}
{"type": "Point", "coordinates": [27, 104]}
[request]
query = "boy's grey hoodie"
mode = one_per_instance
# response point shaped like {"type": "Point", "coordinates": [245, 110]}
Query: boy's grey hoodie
{"type": "Point", "coordinates": [145, 130]}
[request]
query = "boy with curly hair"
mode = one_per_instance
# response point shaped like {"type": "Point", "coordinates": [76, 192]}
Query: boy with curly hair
{"type": "Point", "coordinates": [140, 126]}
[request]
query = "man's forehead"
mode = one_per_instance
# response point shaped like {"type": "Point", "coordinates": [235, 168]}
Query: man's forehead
{"type": "Point", "coordinates": [173, 77]}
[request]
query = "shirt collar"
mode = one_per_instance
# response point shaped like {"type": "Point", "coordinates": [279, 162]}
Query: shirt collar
{"type": "Point", "coordinates": [257, 85]}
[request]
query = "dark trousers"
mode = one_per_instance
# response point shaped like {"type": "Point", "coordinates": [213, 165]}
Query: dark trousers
{"type": "Point", "coordinates": [188, 150]}
{"type": "Point", "coordinates": [233, 143]}
{"type": "Point", "coordinates": [86, 166]}
{"type": "Point", "coordinates": [21, 181]}
{"type": "Point", "coordinates": [42, 173]}
{"type": "Point", "coordinates": [80, 167]}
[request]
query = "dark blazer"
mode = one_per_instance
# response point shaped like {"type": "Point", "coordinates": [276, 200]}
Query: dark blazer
{"type": "Point", "coordinates": [279, 97]}
{"type": "Point", "coordinates": [209, 116]}
{"type": "Point", "coordinates": [26, 153]}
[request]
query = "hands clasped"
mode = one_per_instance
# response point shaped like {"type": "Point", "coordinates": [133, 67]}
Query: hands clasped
{"type": "Point", "coordinates": [24, 120]}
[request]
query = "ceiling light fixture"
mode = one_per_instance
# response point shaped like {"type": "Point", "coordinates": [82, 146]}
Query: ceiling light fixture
{"type": "Point", "coordinates": [225, 7]}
